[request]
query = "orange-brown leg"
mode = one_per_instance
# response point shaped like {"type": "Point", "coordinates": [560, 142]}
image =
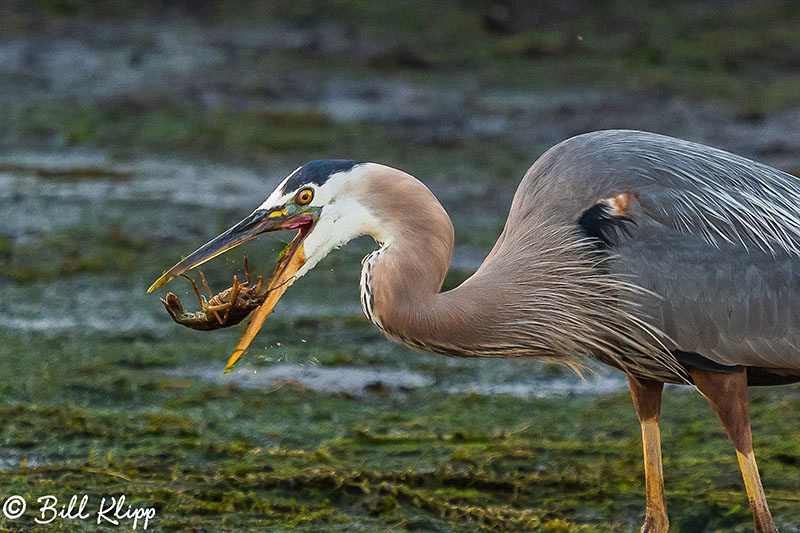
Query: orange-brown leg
{"type": "Point", "coordinates": [196, 290]}
{"type": "Point", "coordinates": [205, 283]}
{"type": "Point", "coordinates": [647, 402]}
{"type": "Point", "coordinates": [727, 394]}
{"type": "Point", "coordinates": [235, 288]}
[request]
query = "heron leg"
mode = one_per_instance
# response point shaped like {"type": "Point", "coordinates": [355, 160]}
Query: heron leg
{"type": "Point", "coordinates": [646, 396]}
{"type": "Point", "coordinates": [727, 394]}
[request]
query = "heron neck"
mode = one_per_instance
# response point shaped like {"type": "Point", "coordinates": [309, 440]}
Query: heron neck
{"type": "Point", "coordinates": [401, 282]}
{"type": "Point", "coordinates": [400, 289]}
{"type": "Point", "coordinates": [541, 291]}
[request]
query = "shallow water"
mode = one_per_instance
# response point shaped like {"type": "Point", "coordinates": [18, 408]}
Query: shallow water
{"type": "Point", "coordinates": [365, 381]}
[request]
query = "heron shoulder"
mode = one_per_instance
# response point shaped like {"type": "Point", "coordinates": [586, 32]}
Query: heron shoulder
{"type": "Point", "coordinates": [687, 187]}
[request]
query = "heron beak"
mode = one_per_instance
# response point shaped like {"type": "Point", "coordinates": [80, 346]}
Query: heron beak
{"type": "Point", "coordinates": [257, 223]}
{"type": "Point", "coordinates": [291, 260]}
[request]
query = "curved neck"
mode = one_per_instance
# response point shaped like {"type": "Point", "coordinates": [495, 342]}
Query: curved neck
{"type": "Point", "coordinates": [543, 289]}
{"type": "Point", "coordinates": [401, 282]}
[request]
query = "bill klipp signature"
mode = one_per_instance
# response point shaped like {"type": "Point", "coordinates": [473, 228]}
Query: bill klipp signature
{"type": "Point", "coordinates": [112, 510]}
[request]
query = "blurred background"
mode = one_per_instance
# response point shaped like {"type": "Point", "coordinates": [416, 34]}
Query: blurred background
{"type": "Point", "coordinates": [131, 132]}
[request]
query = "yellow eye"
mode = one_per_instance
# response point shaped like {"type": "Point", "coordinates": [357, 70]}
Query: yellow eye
{"type": "Point", "coordinates": [304, 197]}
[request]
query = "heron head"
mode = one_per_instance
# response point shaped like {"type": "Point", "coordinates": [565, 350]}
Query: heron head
{"type": "Point", "coordinates": [324, 200]}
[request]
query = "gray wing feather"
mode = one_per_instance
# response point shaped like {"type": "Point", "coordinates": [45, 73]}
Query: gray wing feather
{"type": "Point", "coordinates": [717, 236]}
{"type": "Point", "coordinates": [724, 198]}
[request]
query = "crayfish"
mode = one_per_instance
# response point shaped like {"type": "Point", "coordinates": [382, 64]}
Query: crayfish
{"type": "Point", "coordinates": [232, 305]}
{"type": "Point", "coordinates": [224, 309]}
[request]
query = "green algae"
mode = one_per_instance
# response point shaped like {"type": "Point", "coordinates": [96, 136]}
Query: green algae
{"type": "Point", "coordinates": [73, 251]}
{"type": "Point", "coordinates": [221, 456]}
{"type": "Point", "coordinates": [170, 126]}
{"type": "Point", "coordinates": [744, 54]}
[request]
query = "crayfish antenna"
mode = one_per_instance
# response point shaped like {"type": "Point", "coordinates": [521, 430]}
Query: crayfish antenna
{"type": "Point", "coordinates": [246, 269]}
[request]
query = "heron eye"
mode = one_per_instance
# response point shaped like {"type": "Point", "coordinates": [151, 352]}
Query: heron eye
{"type": "Point", "coordinates": [304, 197]}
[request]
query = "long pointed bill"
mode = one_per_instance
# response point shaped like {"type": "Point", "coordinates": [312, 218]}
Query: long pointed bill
{"type": "Point", "coordinates": [257, 223]}
{"type": "Point", "coordinates": [292, 259]}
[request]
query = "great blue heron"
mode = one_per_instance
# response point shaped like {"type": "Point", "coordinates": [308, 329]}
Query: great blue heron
{"type": "Point", "coordinates": [669, 260]}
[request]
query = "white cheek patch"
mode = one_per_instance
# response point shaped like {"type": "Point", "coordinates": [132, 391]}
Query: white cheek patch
{"type": "Point", "coordinates": [275, 200]}
{"type": "Point", "coordinates": [343, 216]}
{"type": "Point", "coordinates": [335, 184]}
{"type": "Point", "coordinates": [340, 222]}
{"type": "Point", "coordinates": [322, 194]}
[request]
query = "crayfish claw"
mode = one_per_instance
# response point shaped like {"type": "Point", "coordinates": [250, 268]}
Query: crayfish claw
{"type": "Point", "coordinates": [173, 306]}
